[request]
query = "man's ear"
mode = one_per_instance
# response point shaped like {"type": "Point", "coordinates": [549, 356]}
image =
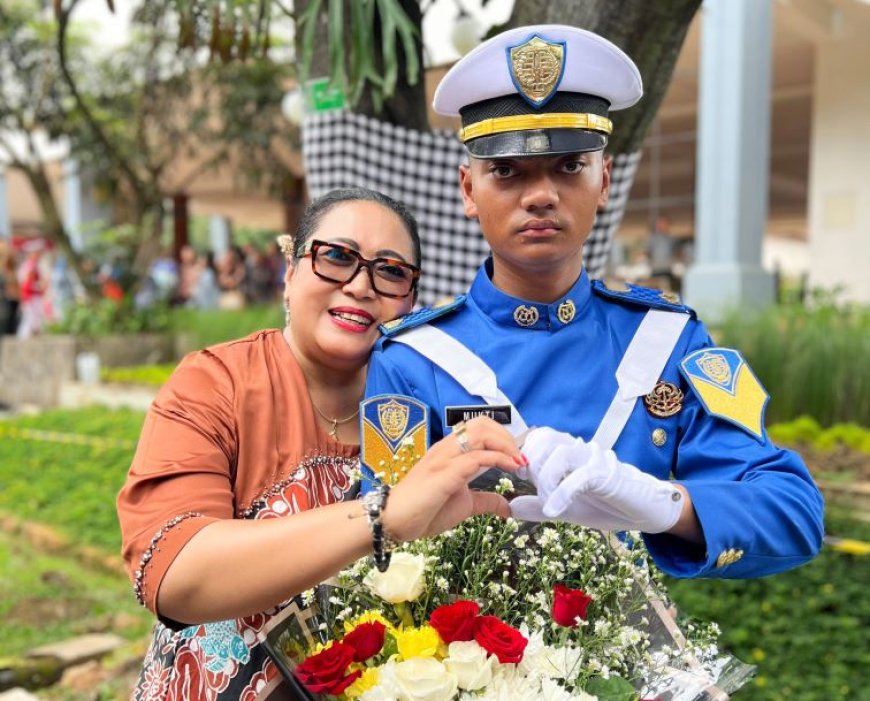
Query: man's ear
{"type": "Point", "coordinates": [606, 170]}
{"type": "Point", "coordinates": [466, 187]}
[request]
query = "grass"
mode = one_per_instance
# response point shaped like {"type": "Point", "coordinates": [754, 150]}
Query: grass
{"type": "Point", "coordinates": [69, 486]}
{"type": "Point", "coordinates": [47, 598]}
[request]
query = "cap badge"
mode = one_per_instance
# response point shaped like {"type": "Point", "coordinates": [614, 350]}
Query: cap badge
{"type": "Point", "coordinates": [526, 316]}
{"type": "Point", "coordinates": [566, 311]}
{"type": "Point", "coordinates": [665, 400]}
{"type": "Point", "coordinates": [536, 68]}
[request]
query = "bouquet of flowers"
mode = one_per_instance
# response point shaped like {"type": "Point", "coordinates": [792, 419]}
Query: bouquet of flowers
{"type": "Point", "coordinates": [496, 610]}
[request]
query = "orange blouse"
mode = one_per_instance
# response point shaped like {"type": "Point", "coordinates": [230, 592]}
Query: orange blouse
{"type": "Point", "coordinates": [231, 428]}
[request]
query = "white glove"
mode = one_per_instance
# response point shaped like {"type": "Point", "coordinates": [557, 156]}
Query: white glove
{"type": "Point", "coordinates": [581, 483]}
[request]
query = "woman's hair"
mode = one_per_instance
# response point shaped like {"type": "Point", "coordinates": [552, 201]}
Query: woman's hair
{"type": "Point", "coordinates": [294, 246]}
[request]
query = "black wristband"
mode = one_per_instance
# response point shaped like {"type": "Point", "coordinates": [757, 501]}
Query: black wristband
{"type": "Point", "coordinates": [382, 545]}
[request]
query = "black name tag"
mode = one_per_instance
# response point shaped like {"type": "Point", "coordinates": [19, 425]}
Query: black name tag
{"type": "Point", "coordinates": [497, 412]}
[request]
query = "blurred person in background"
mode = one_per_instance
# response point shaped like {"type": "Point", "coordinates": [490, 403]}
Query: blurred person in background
{"type": "Point", "coordinates": [10, 290]}
{"type": "Point", "coordinates": [33, 287]}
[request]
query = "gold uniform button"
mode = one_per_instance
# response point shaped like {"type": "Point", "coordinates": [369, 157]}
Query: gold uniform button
{"type": "Point", "coordinates": [659, 437]}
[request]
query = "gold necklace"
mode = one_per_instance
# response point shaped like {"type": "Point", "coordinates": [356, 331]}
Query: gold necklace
{"type": "Point", "coordinates": [336, 422]}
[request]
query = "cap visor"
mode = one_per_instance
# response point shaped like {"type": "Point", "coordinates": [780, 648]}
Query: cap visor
{"type": "Point", "coordinates": [536, 142]}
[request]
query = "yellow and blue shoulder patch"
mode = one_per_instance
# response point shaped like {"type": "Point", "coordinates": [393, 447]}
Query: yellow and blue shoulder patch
{"type": "Point", "coordinates": [394, 431]}
{"type": "Point", "coordinates": [422, 316]}
{"type": "Point", "coordinates": [727, 387]}
{"type": "Point", "coordinates": [649, 297]}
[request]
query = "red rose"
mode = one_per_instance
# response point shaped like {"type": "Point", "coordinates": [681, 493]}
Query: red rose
{"type": "Point", "coordinates": [499, 639]}
{"type": "Point", "coordinates": [366, 640]}
{"type": "Point", "coordinates": [325, 672]}
{"type": "Point", "coordinates": [455, 621]}
{"type": "Point", "coordinates": [569, 605]}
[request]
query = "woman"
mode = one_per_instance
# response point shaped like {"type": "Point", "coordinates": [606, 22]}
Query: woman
{"type": "Point", "coordinates": [265, 427]}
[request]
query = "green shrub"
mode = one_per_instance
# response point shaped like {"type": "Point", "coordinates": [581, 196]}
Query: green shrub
{"type": "Point", "coordinates": [812, 360]}
{"type": "Point", "coordinates": [154, 375]}
{"type": "Point", "coordinates": [201, 328]}
{"type": "Point", "coordinates": [805, 431]}
{"type": "Point", "coordinates": [107, 316]}
{"type": "Point", "coordinates": [806, 629]}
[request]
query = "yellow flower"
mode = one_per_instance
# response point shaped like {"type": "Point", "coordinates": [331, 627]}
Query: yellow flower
{"type": "Point", "coordinates": [368, 680]}
{"type": "Point", "coordinates": [418, 642]}
{"type": "Point", "coordinates": [367, 617]}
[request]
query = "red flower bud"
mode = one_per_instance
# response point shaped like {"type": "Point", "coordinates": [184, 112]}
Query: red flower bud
{"type": "Point", "coordinates": [455, 621]}
{"type": "Point", "coordinates": [498, 638]}
{"type": "Point", "coordinates": [325, 672]}
{"type": "Point", "coordinates": [569, 605]}
{"type": "Point", "coordinates": [366, 640]}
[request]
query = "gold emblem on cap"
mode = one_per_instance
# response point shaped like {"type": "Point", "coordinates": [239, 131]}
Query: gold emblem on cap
{"type": "Point", "coordinates": [566, 311]}
{"type": "Point", "coordinates": [659, 437]}
{"type": "Point", "coordinates": [526, 316]}
{"type": "Point", "coordinates": [665, 400]}
{"type": "Point", "coordinates": [394, 418]}
{"type": "Point", "coordinates": [537, 68]}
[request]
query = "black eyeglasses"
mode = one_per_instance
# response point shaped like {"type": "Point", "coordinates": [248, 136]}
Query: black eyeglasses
{"type": "Point", "coordinates": [389, 277]}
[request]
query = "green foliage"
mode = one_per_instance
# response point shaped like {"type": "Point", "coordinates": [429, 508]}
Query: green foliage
{"type": "Point", "coordinates": [353, 60]}
{"type": "Point", "coordinates": [805, 629]}
{"type": "Point", "coordinates": [805, 431]}
{"type": "Point", "coordinates": [812, 360]}
{"type": "Point", "coordinates": [106, 316]}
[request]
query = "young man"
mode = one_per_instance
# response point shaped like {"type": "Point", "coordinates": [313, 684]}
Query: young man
{"type": "Point", "coordinates": [651, 427]}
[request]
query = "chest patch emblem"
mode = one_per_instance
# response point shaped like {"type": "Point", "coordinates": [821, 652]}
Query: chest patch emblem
{"type": "Point", "coordinates": [665, 400]}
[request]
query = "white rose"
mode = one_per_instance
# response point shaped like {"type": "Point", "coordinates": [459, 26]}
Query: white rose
{"type": "Point", "coordinates": [424, 679]}
{"type": "Point", "coordinates": [403, 580]}
{"type": "Point", "coordinates": [471, 664]}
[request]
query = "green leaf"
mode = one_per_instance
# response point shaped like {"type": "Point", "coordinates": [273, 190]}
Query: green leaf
{"type": "Point", "coordinates": [611, 689]}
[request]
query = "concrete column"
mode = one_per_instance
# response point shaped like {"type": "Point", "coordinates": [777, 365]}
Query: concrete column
{"type": "Point", "coordinates": [5, 224]}
{"type": "Point", "coordinates": [733, 158]}
{"type": "Point", "coordinates": [72, 203]}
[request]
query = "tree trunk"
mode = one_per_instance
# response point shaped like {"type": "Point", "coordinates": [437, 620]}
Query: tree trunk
{"type": "Point", "coordinates": [652, 33]}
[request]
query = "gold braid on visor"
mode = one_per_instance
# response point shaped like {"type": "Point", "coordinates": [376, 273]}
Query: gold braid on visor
{"type": "Point", "coordinates": [522, 122]}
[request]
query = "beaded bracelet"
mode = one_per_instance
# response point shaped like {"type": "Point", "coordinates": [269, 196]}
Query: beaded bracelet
{"type": "Point", "coordinates": [382, 545]}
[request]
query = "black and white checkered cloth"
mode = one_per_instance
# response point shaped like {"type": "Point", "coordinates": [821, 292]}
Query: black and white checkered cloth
{"type": "Point", "coordinates": [342, 149]}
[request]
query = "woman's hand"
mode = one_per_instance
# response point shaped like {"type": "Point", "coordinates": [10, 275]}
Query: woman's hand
{"type": "Point", "coordinates": [434, 495]}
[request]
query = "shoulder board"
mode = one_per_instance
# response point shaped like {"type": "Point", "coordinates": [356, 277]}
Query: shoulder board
{"type": "Point", "coordinates": [727, 387]}
{"type": "Point", "coordinates": [422, 316]}
{"type": "Point", "coordinates": [643, 296]}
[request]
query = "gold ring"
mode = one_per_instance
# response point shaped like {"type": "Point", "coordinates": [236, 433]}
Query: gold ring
{"type": "Point", "coordinates": [461, 437]}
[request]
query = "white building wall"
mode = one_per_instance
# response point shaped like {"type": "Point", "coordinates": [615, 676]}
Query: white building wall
{"type": "Point", "coordinates": [839, 206]}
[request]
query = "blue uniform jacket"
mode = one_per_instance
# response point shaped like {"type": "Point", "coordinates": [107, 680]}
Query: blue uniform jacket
{"type": "Point", "coordinates": [759, 508]}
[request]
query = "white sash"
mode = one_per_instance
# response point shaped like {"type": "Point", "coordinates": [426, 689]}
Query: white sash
{"type": "Point", "coordinates": [638, 371]}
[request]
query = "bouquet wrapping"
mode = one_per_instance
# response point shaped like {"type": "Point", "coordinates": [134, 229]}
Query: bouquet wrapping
{"type": "Point", "coordinates": [495, 610]}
